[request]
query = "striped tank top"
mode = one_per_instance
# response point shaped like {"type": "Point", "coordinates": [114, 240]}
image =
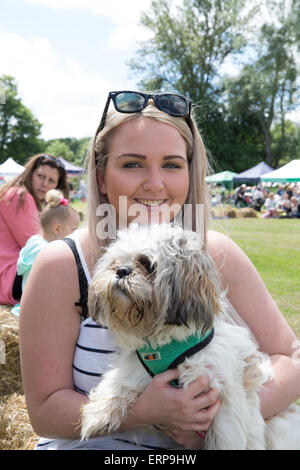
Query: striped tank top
{"type": "Point", "coordinates": [94, 346]}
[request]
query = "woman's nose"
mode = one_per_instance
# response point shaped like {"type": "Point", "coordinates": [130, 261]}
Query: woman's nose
{"type": "Point", "coordinates": [48, 184]}
{"type": "Point", "coordinates": [154, 181]}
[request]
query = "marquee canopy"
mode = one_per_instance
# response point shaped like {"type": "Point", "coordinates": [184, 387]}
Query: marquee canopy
{"type": "Point", "coordinates": [9, 169]}
{"type": "Point", "coordinates": [254, 174]}
{"type": "Point", "coordinates": [287, 173]}
{"type": "Point", "coordinates": [70, 168]}
{"type": "Point", "coordinates": [223, 177]}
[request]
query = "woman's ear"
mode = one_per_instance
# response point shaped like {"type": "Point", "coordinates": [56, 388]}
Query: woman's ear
{"type": "Point", "coordinates": [101, 182]}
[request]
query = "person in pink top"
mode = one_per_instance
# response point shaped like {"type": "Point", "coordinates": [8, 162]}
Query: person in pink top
{"type": "Point", "coordinates": [21, 199]}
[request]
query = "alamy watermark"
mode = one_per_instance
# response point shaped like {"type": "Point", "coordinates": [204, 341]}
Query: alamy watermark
{"type": "Point", "coordinates": [189, 217]}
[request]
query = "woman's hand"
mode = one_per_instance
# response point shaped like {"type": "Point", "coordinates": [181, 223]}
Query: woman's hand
{"type": "Point", "coordinates": [178, 413]}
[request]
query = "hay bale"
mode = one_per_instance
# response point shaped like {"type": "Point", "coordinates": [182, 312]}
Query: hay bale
{"type": "Point", "coordinates": [223, 213]}
{"type": "Point", "coordinates": [246, 212]}
{"type": "Point", "coordinates": [16, 432]}
{"type": "Point", "coordinates": [10, 369]}
{"type": "Point", "coordinates": [230, 213]}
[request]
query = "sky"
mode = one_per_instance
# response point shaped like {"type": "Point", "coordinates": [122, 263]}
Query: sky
{"type": "Point", "coordinates": [66, 55]}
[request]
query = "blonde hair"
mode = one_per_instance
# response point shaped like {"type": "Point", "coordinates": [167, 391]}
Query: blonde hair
{"type": "Point", "coordinates": [99, 150]}
{"type": "Point", "coordinates": [55, 210]}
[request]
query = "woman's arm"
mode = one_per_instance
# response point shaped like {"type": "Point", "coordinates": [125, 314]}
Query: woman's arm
{"type": "Point", "coordinates": [22, 219]}
{"type": "Point", "coordinates": [49, 328]}
{"type": "Point", "coordinates": [251, 299]}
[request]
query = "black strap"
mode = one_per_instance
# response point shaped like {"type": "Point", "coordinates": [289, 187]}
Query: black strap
{"type": "Point", "coordinates": [17, 287]}
{"type": "Point", "coordinates": [143, 364]}
{"type": "Point", "coordinates": [83, 284]}
{"type": "Point", "coordinates": [190, 352]}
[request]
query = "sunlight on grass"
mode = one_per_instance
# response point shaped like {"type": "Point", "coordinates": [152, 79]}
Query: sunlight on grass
{"type": "Point", "coordinates": [273, 247]}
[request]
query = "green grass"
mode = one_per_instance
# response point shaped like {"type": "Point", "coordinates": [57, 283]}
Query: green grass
{"type": "Point", "coordinates": [274, 248]}
{"type": "Point", "coordinates": [80, 206]}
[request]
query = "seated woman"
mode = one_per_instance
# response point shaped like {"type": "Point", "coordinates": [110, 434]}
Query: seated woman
{"type": "Point", "coordinates": [20, 203]}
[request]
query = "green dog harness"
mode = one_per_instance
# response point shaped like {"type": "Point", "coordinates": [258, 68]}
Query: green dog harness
{"type": "Point", "coordinates": [170, 355]}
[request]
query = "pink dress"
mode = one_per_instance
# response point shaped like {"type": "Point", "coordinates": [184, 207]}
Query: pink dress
{"type": "Point", "coordinates": [17, 224]}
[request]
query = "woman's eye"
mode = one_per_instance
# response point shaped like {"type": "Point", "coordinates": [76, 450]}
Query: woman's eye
{"type": "Point", "coordinates": [172, 165]}
{"type": "Point", "coordinates": [131, 165]}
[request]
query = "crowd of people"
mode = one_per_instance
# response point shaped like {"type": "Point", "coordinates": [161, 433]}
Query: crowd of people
{"type": "Point", "coordinates": [278, 202]}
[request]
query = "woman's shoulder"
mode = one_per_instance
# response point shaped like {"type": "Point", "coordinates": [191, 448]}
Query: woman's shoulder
{"type": "Point", "coordinates": [57, 254]}
{"type": "Point", "coordinates": [55, 269]}
{"type": "Point", "coordinates": [218, 243]}
{"type": "Point", "coordinates": [227, 255]}
{"type": "Point", "coordinates": [15, 194]}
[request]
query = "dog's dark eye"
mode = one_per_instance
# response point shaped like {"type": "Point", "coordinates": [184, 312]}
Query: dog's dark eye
{"type": "Point", "coordinates": [146, 263]}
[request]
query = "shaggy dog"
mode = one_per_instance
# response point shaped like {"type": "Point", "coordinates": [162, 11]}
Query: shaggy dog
{"type": "Point", "coordinates": [156, 289]}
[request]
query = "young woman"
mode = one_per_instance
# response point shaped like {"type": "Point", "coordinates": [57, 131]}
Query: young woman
{"type": "Point", "coordinates": [148, 150]}
{"type": "Point", "coordinates": [20, 202]}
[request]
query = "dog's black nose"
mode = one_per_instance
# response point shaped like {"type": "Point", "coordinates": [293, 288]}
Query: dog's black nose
{"type": "Point", "coordinates": [123, 271]}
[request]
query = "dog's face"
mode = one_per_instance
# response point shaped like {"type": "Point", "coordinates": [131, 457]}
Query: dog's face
{"type": "Point", "coordinates": [152, 279]}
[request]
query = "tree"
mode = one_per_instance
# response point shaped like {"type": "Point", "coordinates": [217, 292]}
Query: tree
{"type": "Point", "coordinates": [290, 147]}
{"type": "Point", "coordinates": [266, 85]}
{"type": "Point", "coordinates": [186, 53]}
{"type": "Point", "coordinates": [72, 149]}
{"type": "Point", "coordinates": [19, 129]}
{"type": "Point", "coordinates": [60, 149]}
{"type": "Point", "coordinates": [188, 47]}
{"type": "Point", "coordinates": [236, 114]}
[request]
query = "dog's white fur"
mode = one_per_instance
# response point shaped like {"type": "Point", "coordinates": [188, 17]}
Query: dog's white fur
{"type": "Point", "coordinates": [170, 292]}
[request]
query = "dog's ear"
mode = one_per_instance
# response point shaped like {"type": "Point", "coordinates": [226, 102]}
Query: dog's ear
{"type": "Point", "coordinates": [194, 296]}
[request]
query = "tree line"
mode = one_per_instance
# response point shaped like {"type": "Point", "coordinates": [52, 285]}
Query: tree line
{"type": "Point", "coordinates": [243, 116]}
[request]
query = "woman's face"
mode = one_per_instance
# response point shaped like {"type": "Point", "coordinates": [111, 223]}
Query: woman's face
{"type": "Point", "coordinates": [147, 163]}
{"type": "Point", "coordinates": [44, 178]}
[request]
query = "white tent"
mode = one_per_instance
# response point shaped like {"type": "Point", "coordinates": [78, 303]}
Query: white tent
{"type": "Point", "coordinates": [288, 172]}
{"type": "Point", "coordinates": [9, 169]}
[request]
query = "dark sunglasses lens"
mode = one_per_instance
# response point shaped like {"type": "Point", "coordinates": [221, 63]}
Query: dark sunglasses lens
{"type": "Point", "coordinates": [57, 162]}
{"type": "Point", "coordinates": [172, 104]}
{"type": "Point", "coordinates": [129, 102]}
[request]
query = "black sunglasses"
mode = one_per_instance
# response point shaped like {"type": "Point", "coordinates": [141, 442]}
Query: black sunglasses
{"type": "Point", "coordinates": [135, 101]}
{"type": "Point", "coordinates": [49, 158]}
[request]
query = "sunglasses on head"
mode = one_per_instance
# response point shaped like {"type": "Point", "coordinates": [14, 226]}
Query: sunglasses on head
{"type": "Point", "coordinates": [49, 158]}
{"type": "Point", "coordinates": [134, 101]}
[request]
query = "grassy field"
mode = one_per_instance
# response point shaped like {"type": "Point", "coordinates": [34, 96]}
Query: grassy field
{"type": "Point", "coordinates": [274, 248]}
